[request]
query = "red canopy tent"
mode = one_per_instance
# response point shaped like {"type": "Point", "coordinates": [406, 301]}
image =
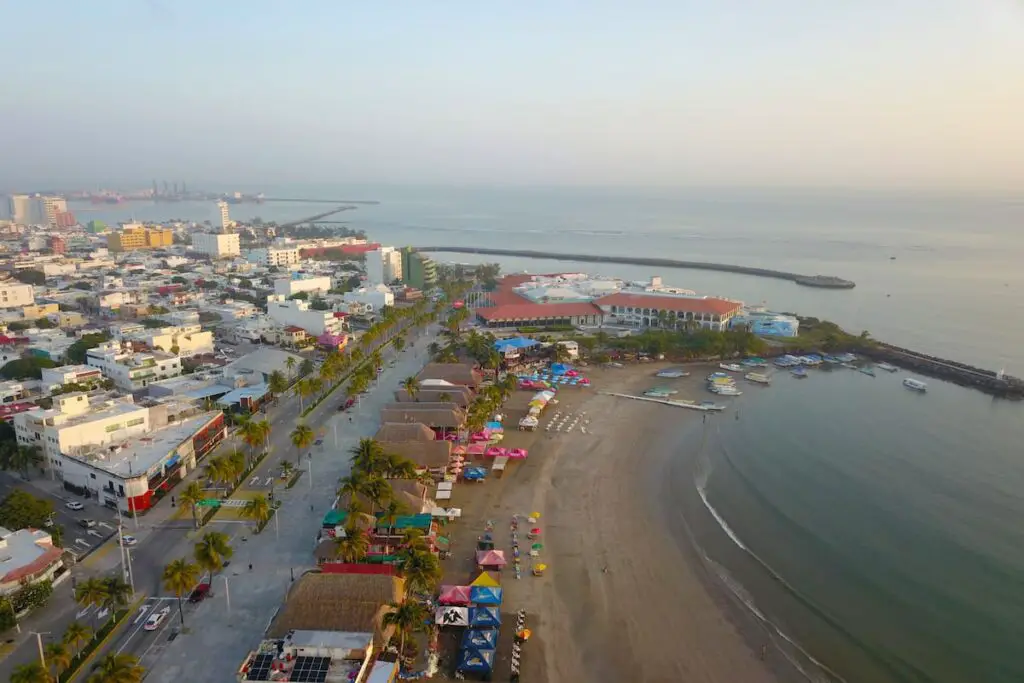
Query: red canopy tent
{"type": "Point", "coordinates": [454, 595]}
{"type": "Point", "coordinates": [490, 559]}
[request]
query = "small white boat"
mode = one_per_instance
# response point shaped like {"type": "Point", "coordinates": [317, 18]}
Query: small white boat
{"type": "Point", "coordinates": [711, 405]}
{"type": "Point", "coordinates": [672, 374]}
{"type": "Point", "coordinates": [887, 367]}
{"type": "Point", "coordinates": [867, 370]}
{"type": "Point", "coordinates": [731, 367]}
{"type": "Point", "coordinates": [851, 366]}
{"type": "Point", "coordinates": [799, 373]}
{"type": "Point", "coordinates": [726, 391]}
{"type": "Point", "coordinates": [660, 393]}
{"type": "Point", "coordinates": [915, 384]}
{"type": "Point", "coordinates": [758, 377]}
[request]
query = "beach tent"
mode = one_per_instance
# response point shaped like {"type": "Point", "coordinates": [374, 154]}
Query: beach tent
{"type": "Point", "coordinates": [490, 579]}
{"type": "Point", "coordinates": [517, 453]}
{"type": "Point", "coordinates": [455, 595]}
{"type": "Point", "coordinates": [495, 451]}
{"type": "Point", "coordinates": [559, 368]}
{"type": "Point", "coordinates": [476, 660]}
{"type": "Point", "coordinates": [514, 344]}
{"type": "Point", "coordinates": [491, 558]}
{"type": "Point", "coordinates": [484, 616]}
{"type": "Point", "coordinates": [452, 616]}
{"type": "Point", "coordinates": [484, 595]}
{"type": "Point", "coordinates": [494, 426]}
{"type": "Point", "coordinates": [459, 450]}
{"type": "Point", "coordinates": [474, 473]}
{"type": "Point", "coordinates": [480, 639]}
{"type": "Point", "coordinates": [477, 449]}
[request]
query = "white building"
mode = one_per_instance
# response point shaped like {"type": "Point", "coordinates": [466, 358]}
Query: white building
{"type": "Point", "coordinates": [12, 390]}
{"type": "Point", "coordinates": [383, 266]}
{"type": "Point", "coordinates": [29, 556]}
{"type": "Point", "coordinates": [69, 374]}
{"type": "Point", "coordinates": [19, 208]}
{"type": "Point", "coordinates": [297, 313]}
{"type": "Point", "coordinates": [15, 295]}
{"type": "Point", "coordinates": [132, 371]}
{"type": "Point", "coordinates": [274, 257]}
{"type": "Point", "coordinates": [225, 217]}
{"type": "Point", "coordinates": [184, 341]}
{"type": "Point", "coordinates": [378, 297]}
{"type": "Point", "coordinates": [290, 287]}
{"type": "Point", "coordinates": [216, 245]}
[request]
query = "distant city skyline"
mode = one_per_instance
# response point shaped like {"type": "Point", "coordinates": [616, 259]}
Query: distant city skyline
{"type": "Point", "coordinates": [917, 94]}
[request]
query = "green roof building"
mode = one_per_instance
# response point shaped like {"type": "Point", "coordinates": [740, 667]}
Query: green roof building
{"type": "Point", "coordinates": [96, 227]}
{"type": "Point", "coordinates": [418, 270]}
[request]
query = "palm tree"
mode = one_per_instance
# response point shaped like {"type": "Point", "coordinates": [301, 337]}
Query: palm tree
{"type": "Point", "coordinates": [411, 386]}
{"type": "Point", "coordinates": [302, 438]}
{"type": "Point", "coordinates": [91, 593]}
{"type": "Point", "coordinates": [258, 509]}
{"type": "Point", "coordinates": [191, 496]}
{"type": "Point", "coordinates": [366, 455]}
{"type": "Point", "coordinates": [421, 570]}
{"type": "Point", "coordinates": [408, 616]}
{"type": "Point", "coordinates": [396, 467]}
{"type": "Point", "coordinates": [394, 509]}
{"type": "Point", "coordinates": [265, 430]}
{"type": "Point", "coordinates": [306, 367]}
{"type": "Point", "coordinates": [237, 465]}
{"type": "Point", "coordinates": [278, 383]}
{"type": "Point", "coordinates": [252, 435]}
{"type": "Point", "coordinates": [444, 397]}
{"type": "Point", "coordinates": [21, 459]}
{"type": "Point", "coordinates": [213, 551]}
{"type": "Point", "coordinates": [116, 668]}
{"type": "Point", "coordinates": [290, 364]}
{"type": "Point", "coordinates": [30, 673]}
{"type": "Point", "coordinates": [59, 657]}
{"type": "Point", "coordinates": [118, 594]}
{"type": "Point", "coordinates": [180, 577]}
{"type": "Point", "coordinates": [76, 635]}
{"type": "Point", "coordinates": [399, 343]}
{"type": "Point", "coordinates": [377, 490]}
{"type": "Point", "coordinates": [354, 546]}
{"type": "Point", "coordinates": [217, 470]}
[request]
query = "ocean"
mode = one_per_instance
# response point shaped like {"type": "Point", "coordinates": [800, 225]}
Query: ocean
{"type": "Point", "coordinates": [876, 528]}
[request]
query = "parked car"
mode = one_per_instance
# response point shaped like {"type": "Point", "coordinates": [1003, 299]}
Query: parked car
{"type": "Point", "coordinates": [347, 404]}
{"type": "Point", "coordinates": [200, 593]}
{"type": "Point", "coordinates": [87, 523]}
{"type": "Point", "coordinates": [156, 618]}
{"type": "Point", "coordinates": [74, 505]}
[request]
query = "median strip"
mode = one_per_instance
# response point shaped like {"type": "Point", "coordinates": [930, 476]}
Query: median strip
{"type": "Point", "coordinates": [102, 638]}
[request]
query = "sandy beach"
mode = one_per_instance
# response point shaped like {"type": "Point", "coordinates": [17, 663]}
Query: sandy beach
{"type": "Point", "coordinates": [622, 599]}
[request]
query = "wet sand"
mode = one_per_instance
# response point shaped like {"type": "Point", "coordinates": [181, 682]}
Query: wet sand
{"type": "Point", "coordinates": [622, 599]}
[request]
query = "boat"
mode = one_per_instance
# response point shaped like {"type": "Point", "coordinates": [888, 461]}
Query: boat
{"type": "Point", "coordinates": [710, 405]}
{"type": "Point", "coordinates": [887, 367]}
{"type": "Point", "coordinates": [848, 365]}
{"type": "Point", "coordinates": [758, 377]}
{"type": "Point", "coordinates": [867, 370]}
{"type": "Point", "coordinates": [660, 392]}
{"type": "Point", "coordinates": [799, 373]}
{"type": "Point", "coordinates": [754, 362]}
{"type": "Point", "coordinates": [726, 391]}
{"type": "Point", "coordinates": [915, 384]}
{"type": "Point", "coordinates": [672, 374]}
{"type": "Point", "coordinates": [731, 367]}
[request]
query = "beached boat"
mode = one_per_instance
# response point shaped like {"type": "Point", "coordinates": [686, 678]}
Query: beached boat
{"type": "Point", "coordinates": [660, 392]}
{"type": "Point", "coordinates": [726, 391]}
{"type": "Point", "coordinates": [731, 367]}
{"type": "Point", "coordinates": [671, 374]}
{"type": "Point", "coordinates": [758, 377]}
{"type": "Point", "coordinates": [867, 370]}
{"type": "Point", "coordinates": [849, 365]}
{"type": "Point", "coordinates": [887, 367]}
{"type": "Point", "coordinates": [754, 362]}
{"type": "Point", "coordinates": [710, 405]}
{"type": "Point", "coordinates": [915, 384]}
{"type": "Point", "coordinates": [799, 373]}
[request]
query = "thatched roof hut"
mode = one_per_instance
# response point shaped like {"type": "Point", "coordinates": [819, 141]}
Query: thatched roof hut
{"type": "Point", "coordinates": [443, 415]}
{"type": "Point", "coordinates": [404, 431]}
{"type": "Point", "coordinates": [459, 395]}
{"type": "Point", "coordinates": [430, 455]}
{"type": "Point", "coordinates": [456, 373]}
{"type": "Point", "coordinates": [354, 603]}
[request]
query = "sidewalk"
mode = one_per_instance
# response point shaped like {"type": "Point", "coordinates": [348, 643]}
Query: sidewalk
{"type": "Point", "coordinates": [223, 634]}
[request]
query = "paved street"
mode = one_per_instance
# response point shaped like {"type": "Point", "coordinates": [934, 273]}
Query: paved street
{"type": "Point", "coordinates": [163, 537]}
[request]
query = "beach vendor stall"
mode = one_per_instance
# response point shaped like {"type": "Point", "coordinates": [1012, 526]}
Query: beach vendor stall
{"type": "Point", "coordinates": [455, 595]}
{"type": "Point", "coordinates": [484, 595]}
{"type": "Point", "coordinates": [476, 660]}
{"type": "Point", "coordinates": [451, 616]}
{"type": "Point", "coordinates": [528, 423]}
{"type": "Point", "coordinates": [493, 560]}
{"type": "Point", "coordinates": [539, 569]}
{"type": "Point", "coordinates": [486, 578]}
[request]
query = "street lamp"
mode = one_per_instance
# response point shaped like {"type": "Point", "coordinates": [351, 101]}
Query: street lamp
{"type": "Point", "coordinates": [39, 641]}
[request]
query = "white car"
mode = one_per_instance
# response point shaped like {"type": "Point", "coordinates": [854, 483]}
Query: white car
{"type": "Point", "coordinates": [128, 541]}
{"type": "Point", "coordinates": [74, 505]}
{"type": "Point", "coordinates": [155, 619]}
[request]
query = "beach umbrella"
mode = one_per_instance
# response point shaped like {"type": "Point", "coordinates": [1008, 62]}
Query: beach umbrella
{"type": "Point", "coordinates": [534, 516]}
{"type": "Point", "coordinates": [524, 634]}
{"type": "Point", "coordinates": [537, 546]}
{"type": "Point", "coordinates": [535, 531]}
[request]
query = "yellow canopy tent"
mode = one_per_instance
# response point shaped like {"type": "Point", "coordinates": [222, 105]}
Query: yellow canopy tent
{"type": "Point", "coordinates": [486, 579]}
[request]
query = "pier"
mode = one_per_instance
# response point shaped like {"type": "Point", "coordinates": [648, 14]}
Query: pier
{"type": "Point", "coordinates": [823, 281]}
{"type": "Point", "coordinates": [313, 219]}
{"type": "Point", "coordinates": [689, 405]}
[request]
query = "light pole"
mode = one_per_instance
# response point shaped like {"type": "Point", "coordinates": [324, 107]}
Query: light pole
{"type": "Point", "coordinates": [227, 593]}
{"type": "Point", "coordinates": [39, 642]}
{"type": "Point", "coordinates": [277, 529]}
{"type": "Point", "coordinates": [309, 457]}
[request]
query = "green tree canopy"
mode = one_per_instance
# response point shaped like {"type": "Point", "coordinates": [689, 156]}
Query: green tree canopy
{"type": "Point", "coordinates": [21, 509]}
{"type": "Point", "coordinates": [26, 368]}
{"type": "Point", "coordinates": [76, 352]}
{"type": "Point", "coordinates": [30, 276]}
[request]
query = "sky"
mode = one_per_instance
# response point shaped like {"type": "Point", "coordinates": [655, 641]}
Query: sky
{"type": "Point", "coordinates": [867, 93]}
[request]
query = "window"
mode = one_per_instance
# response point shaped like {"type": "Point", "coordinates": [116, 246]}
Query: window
{"type": "Point", "coordinates": [92, 475]}
{"type": "Point", "coordinates": [136, 421]}
{"type": "Point", "coordinates": [114, 427]}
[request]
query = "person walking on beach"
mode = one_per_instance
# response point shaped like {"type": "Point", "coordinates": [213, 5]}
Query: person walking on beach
{"type": "Point", "coordinates": [764, 652]}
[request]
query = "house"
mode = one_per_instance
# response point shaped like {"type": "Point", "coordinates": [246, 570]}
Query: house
{"type": "Point", "coordinates": [29, 557]}
{"type": "Point", "coordinates": [453, 373]}
{"type": "Point", "coordinates": [427, 456]}
{"type": "Point", "coordinates": [434, 415]}
{"type": "Point", "coordinates": [430, 393]}
{"type": "Point", "coordinates": [293, 336]}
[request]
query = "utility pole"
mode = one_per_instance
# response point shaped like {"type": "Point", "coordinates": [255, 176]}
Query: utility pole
{"type": "Point", "coordinates": [227, 593]}
{"type": "Point", "coordinates": [309, 457]}
{"type": "Point", "coordinates": [39, 642]}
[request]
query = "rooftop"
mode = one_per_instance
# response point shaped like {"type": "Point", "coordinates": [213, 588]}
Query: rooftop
{"type": "Point", "coordinates": [25, 552]}
{"type": "Point", "coordinates": [139, 455]}
{"type": "Point", "coordinates": [686, 304]}
{"type": "Point", "coordinates": [351, 603]}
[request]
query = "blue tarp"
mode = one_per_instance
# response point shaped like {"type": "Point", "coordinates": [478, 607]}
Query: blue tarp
{"type": "Point", "coordinates": [494, 426]}
{"type": "Point", "coordinates": [474, 473]}
{"type": "Point", "coordinates": [480, 639]}
{"type": "Point", "coordinates": [485, 595]}
{"type": "Point", "coordinates": [254, 393]}
{"type": "Point", "coordinates": [560, 368]}
{"type": "Point", "coordinates": [503, 345]}
{"type": "Point", "coordinates": [484, 616]}
{"type": "Point", "coordinates": [473, 659]}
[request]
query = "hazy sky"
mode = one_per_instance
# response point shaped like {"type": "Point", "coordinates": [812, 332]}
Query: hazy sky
{"type": "Point", "coordinates": [921, 93]}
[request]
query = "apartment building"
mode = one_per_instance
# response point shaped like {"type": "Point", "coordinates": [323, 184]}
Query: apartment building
{"type": "Point", "coordinates": [70, 374]}
{"type": "Point", "coordinates": [216, 245]}
{"type": "Point", "coordinates": [16, 295]}
{"type": "Point", "coordinates": [291, 286]}
{"type": "Point", "coordinates": [274, 257]}
{"type": "Point", "coordinates": [29, 557]}
{"type": "Point", "coordinates": [377, 297]}
{"type": "Point", "coordinates": [132, 371]}
{"type": "Point", "coordinates": [383, 266]}
{"type": "Point", "coordinates": [184, 341]}
{"type": "Point", "coordinates": [297, 313]}
{"type": "Point", "coordinates": [135, 236]}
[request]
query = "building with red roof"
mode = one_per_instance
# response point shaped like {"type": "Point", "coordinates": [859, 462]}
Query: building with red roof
{"type": "Point", "coordinates": [632, 309]}
{"type": "Point", "coordinates": [29, 557]}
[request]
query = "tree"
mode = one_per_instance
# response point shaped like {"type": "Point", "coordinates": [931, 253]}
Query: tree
{"type": "Point", "coordinates": [76, 352]}
{"type": "Point", "coordinates": [118, 593]}
{"type": "Point", "coordinates": [366, 455]}
{"type": "Point", "coordinates": [30, 673]}
{"type": "Point", "coordinates": [180, 577]}
{"type": "Point", "coordinates": [213, 551]}
{"type": "Point", "coordinates": [115, 668]}
{"type": "Point", "coordinates": [258, 509]}
{"type": "Point", "coordinates": [304, 389]}
{"type": "Point", "coordinates": [191, 496]}
{"type": "Point", "coordinates": [58, 657]}
{"type": "Point", "coordinates": [411, 386]}
{"type": "Point", "coordinates": [306, 367]}
{"type": "Point", "coordinates": [444, 397]}
{"type": "Point", "coordinates": [20, 510]}
{"type": "Point", "coordinates": [290, 364]}
{"type": "Point", "coordinates": [30, 276]}
{"type": "Point", "coordinates": [91, 593]}
{"type": "Point", "coordinates": [399, 343]}
{"type": "Point", "coordinates": [408, 617]}
{"type": "Point", "coordinates": [277, 384]}
{"type": "Point", "coordinates": [76, 635]}
{"type": "Point", "coordinates": [26, 368]}
{"type": "Point", "coordinates": [252, 435]}
{"type": "Point", "coordinates": [354, 545]}
{"type": "Point", "coordinates": [421, 570]}
{"type": "Point", "coordinates": [302, 437]}
{"type": "Point", "coordinates": [20, 459]}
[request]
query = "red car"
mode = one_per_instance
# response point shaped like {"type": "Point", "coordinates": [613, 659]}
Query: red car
{"type": "Point", "coordinates": [200, 593]}
{"type": "Point", "coordinates": [347, 404]}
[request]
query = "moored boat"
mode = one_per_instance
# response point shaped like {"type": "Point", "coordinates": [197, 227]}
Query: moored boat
{"type": "Point", "coordinates": [799, 373]}
{"type": "Point", "coordinates": [848, 365]}
{"type": "Point", "coordinates": [867, 370]}
{"type": "Point", "coordinates": [672, 374]}
{"type": "Point", "coordinates": [758, 377]}
{"type": "Point", "coordinates": [731, 367]}
{"type": "Point", "coordinates": [887, 367]}
{"type": "Point", "coordinates": [915, 384]}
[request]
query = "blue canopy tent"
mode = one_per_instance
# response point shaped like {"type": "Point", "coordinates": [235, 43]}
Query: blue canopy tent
{"type": "Point", "coordinates": [560, 368]}
{"type": "Point", "coordinates": [471, 473]}
{"type": "Point", "coordinates": [514, 344]}
{"type": "Point", "coordinates": [480, 639]}
{"type": "Point", "coordinates": [484, 616]}
{"type": "Point", "coordinates": [485, 595]}
{"type": "Point", "coordinates": [472, 659]}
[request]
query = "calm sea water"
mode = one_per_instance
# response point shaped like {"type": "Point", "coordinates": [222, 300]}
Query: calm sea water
{"type": "Point", "coordinates": [878, 528]}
